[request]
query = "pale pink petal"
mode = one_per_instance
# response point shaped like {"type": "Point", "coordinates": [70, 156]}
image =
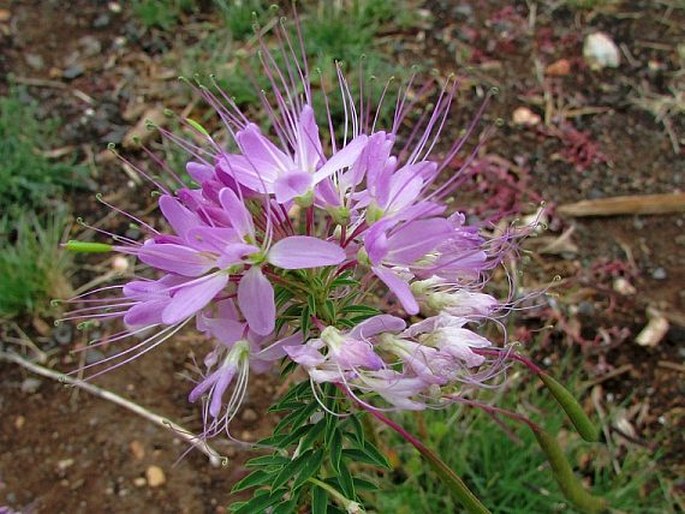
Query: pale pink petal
{"type": "Point", "coordinates": [190, 299]}
{"type": "Point", "coordinates": [415, 239]}
{"type": "Point", "coordinates": [299, 252]}
{"type": "Point", "coordinates": [240, 217]}
{"type": "Point", "coordinates": [212, 239]}
{"type": "Point", "coordinates": [146, 313]}
{"type": "Point", "coordinates": [291, 185]}
{"type": "Point", "coordinates": [343, 158]}
{"type": "Point", "coordinates": [200, 173]}
{"type": "Point", "coordinates": [305, 355]}
{"type": "Point", "coordinates": [376, 325]}
{"type": "Point", "coordinates": [224, 379]}
{"type": "Point", "coordinates": [308, 151]}
{"type": "Point", "coordinates": [176, 259]}
{"type": "Point", "coordinates": [179, 217]}
{"type": "Point", "coordinates": [256, 301]}
{"type": "Point", "coordinates": [267, 159]}
{"type": "Point", "coordinates": [399, 287]}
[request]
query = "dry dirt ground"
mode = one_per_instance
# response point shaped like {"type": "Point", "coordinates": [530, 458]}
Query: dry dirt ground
{"type": "Point", "coordinates": [64, 451]}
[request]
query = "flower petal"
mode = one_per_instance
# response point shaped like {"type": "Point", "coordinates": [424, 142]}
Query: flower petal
{"type": "Point", "coordinates": [399, 287]}
{"type": "Point", "coordinates": [240, 217]}
{"type": "Point", "coordinates": [299, 252]}
{"type": "Point", "coordinates": [189, 299]}
{"type": "Point", "coordinates": [343, 158]}
{"type": "Point", "coordinates": [291, 185]}
{"type": "Point", "coordinates": [176, 259]}
{"type": "Point", "coordinates": [308, 151]}
{"type": "Point", "coordinates": [377, 324]}
{"type": "Point", "coordinates": [256, 301]}
{"type": "Point", "coordinates": [179, 217]}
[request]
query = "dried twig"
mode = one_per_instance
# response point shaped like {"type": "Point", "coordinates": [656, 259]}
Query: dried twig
{"type": "Point", "coordinates": [634, 204]}
{"type": "Point", "coordinates": [215, 459]}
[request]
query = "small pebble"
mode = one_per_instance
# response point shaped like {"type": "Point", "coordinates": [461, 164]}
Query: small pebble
{"type": "Point", "coordinates": [600, 51]}
{"type": "Point", "coordinates": [19, 422]}
{"type": "Point", "coordinates": [559, 68]}
{"type": "Point", "coordinates": [30, 385]}
{"type": "Point", "coordinates": [659, 274]}
{"type": "Point", "coordinates": [101, 21]}
{"type": "Point", "coordinates": [249, 415]}
{"type": "Point", "coordinates": [137, 449]}
{"type": "Point", "coordinates": [5, 15]}
{"type": "Point", "coordinates": [139, 482]}
{"type": "Point", "coordinates": [524, 116]}
{"type": "Point", "coordinates": [73, 71]}
{"type": "Point", "coordinates": [155, 476]}
{"type": "Point", "coordinates": [35, 61]}
{"type": "Point", "coordinates": [65, 464]}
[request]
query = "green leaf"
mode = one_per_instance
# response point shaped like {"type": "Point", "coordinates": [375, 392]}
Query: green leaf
{"type": "Point", "coordinates": [364, 485]}
{"type": "Point", "coordinates": [336, 450]}
{"type": "Point", "coordinates": [313, 434]}
{"type": "Point", "coordinates": [254, 479]}
{"type": "Point", "coordinates": [286, 507]}
{"type": "Point", "coordinates": [358, 429]}
{"type": "Point", "coordinates": [346, 482]}
{"type": "Point", "coordinates": [260, 502]}
{"type": "Point", "coordinates": [267, 460]}
{"type": "Point", "coordinates": [319, 501]}
{"type": "Point", "coordinates": [368, 455]}
{"type": "Point", "coordinates": [311, 467]}
{"type": "Point", "coordinates": [293, 468]}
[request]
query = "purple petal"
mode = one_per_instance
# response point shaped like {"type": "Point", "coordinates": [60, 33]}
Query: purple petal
{"type": "Point", "coordinates": [308, 152]}
{"type": "Point", "coordinates": [305, 355]}
{"type": "Point", "coordinates": [399, 287]}
{"type": "Point", "coordinates": [253, 174]}
{"type": "Point", "coordinates": [240, 217]}
{"type": "Point", "coordinates": [146, 313]}
{"type": "Point", "coordinates": [234, 254]}
{"type": "Point", "coordinates": [299, 252]}
{"type": "Point", "coordinates": [179, 217]}
{"type": "Point", "coordinates": [343, 158]}
{"type": "Point", "coordinates": [256, 301]}
{"type": "Point", "coordinates": [212, 239]}
{"type": "Point", "coordinates": [189, 299]}
{"type": "Point", "coordinates": [415, 239]}
{"type": "Point", "coordinates": [223, 381]}
{"type": "Point", "coordinates": [376, 242]}
{"type": "Point", "coordinates": [200, 173]}
{"type": "Point", "coordinates": [202, 387]}
{"type": "Point", "coordinates": [277, 350]}
{"type": "Point", "coordinates": [176, 259]}
{"type": "Point", "coordinates": [376, 325]}
{"type": "Point", "coordinates": [291, 185]}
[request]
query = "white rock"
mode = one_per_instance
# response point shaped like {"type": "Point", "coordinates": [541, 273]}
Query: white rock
{"type": "Point", "coordinates": [600, 51]}
{"type": "Point", "coordinates": [524, 116]}
{"type": "Point", "coordinates": [155, 476]}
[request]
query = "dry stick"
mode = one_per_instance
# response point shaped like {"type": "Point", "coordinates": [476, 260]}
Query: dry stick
{"type": "Point", "coordinates": [215, 459]}
{"type": "Point", "coordinates": [634, 204]}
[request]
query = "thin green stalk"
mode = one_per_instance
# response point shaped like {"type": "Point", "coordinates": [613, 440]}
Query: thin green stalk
{"type": "Point", "coordinates": [455, 484]}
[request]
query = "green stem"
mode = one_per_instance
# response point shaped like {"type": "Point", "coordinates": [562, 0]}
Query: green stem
{"type": "Point", "coordinates": [455, 484]}
{"type": "Point", "coordinates": [348, 505]}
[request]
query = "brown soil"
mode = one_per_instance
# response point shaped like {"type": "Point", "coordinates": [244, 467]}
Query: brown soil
{"type": "Point", "coordinates": [62, 451]}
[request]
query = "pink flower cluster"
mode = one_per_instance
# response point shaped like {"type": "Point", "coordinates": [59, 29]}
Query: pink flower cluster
{"type": "Point", "coordinates": [348, 198]}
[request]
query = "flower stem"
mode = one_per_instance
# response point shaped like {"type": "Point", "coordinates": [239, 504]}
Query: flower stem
{"type": "Point", "coordinates": [455, 484]}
